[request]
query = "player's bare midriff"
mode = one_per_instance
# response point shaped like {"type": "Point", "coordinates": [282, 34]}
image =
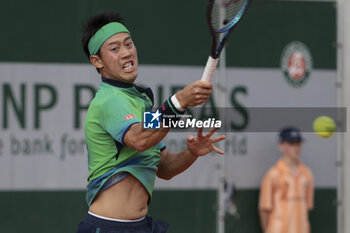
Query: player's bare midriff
{"type": "Point", "coordinates": [125, 200]}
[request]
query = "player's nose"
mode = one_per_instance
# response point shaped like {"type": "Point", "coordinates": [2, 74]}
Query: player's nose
{"type": "Point", "coordinates": [125, 52]}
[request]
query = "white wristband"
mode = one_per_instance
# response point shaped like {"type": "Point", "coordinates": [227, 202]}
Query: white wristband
{"type": "Point", "coordinates": [177, 103]}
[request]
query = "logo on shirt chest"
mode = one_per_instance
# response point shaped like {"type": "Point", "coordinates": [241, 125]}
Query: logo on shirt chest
{"type": "Point", "coordinates": [129, 117]}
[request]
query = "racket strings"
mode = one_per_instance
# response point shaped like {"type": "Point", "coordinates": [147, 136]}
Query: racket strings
{"type": "Point", "coordinates": [215, 16]}
{"type": "Point", "coordinates": [229, 8]}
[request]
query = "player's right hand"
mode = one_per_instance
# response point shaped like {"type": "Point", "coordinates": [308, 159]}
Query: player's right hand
{"type": "Point", "coordinates": [196, 93]}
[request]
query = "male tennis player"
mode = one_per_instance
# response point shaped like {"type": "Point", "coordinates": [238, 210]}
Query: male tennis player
{"type": "Point", "coordinates": [124, 158]}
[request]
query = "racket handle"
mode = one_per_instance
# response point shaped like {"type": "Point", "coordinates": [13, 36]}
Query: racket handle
{"type": "Point", "coordinates": [210, 68]}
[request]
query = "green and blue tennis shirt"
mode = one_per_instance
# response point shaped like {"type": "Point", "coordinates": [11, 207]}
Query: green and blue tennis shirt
{"type": "Point", "coordinates": [114, 109]}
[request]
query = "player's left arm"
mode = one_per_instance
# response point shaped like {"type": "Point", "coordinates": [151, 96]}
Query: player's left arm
{"type": "Point", "coordinates": [310, 192]}
{"type": "Point", "coordinates": [172, 164]}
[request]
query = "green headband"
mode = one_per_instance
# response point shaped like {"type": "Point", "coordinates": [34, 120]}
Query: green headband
{"type": "Point", "coordinates": [103, 34]}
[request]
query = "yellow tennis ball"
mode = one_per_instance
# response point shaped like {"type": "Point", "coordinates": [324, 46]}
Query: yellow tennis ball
{"type": "Point", "coordinates": [324, 126]}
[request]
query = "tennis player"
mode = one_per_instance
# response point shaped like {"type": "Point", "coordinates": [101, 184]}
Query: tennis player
{"type": "Point", "coordinates": [124, 159]}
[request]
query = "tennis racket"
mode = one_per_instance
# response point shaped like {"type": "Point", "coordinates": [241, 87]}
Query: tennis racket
{"type": "Point", "coordinates": [221, 28]}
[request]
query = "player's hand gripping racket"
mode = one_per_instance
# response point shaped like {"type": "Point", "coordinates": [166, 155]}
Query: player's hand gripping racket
{"type": "Point", "coordinates": [233, 10]}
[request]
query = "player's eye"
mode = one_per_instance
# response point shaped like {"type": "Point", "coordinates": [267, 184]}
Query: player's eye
{"type": "Point", "coordinates": [129, 44]}
{"type": "Point", "coordinates": [115, 49]}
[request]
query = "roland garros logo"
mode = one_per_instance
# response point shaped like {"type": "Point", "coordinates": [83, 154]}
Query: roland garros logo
{"type": "Point", "coordinates": [296, 63]}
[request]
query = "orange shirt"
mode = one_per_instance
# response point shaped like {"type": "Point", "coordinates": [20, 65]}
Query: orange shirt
{"type": "Point", "coordinates": [288, 197]}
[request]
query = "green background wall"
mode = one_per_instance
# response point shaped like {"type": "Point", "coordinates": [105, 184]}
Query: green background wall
{"type": "Point", "coordinates": [50, 31]}
{"type": "Point", "coordinates": [187, 211]}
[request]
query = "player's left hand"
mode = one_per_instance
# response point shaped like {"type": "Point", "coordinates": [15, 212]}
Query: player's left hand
{"type": "Point", "coordinates": [203, 144]}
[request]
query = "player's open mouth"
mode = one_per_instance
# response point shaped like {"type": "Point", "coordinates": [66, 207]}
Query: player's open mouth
{"type": "Point", "coordinates": [128, 67]}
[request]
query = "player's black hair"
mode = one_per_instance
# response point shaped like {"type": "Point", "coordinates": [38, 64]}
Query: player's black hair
{"type": "Point", "coordinates": [94, 23]}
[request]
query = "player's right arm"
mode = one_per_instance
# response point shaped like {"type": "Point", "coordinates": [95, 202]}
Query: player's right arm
{"type": "Point", "coordinates": [140, 139]}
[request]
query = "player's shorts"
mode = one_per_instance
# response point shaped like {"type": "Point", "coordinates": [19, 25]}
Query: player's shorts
{"type": "Point", "coordinates": [92, 224]}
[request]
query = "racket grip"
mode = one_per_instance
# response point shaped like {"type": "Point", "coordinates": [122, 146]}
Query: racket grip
{"type": "Point", "coordinates": [210, 68]}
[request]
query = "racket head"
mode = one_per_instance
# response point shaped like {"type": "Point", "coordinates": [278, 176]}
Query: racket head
{"type": "Point", "coordinates": [233, 10]}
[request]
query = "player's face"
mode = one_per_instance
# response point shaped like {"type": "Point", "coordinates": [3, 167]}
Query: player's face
{"type": "Point", "coordinates": [119, 58]}
{"type": "Point", "coordinates": [292, 150]}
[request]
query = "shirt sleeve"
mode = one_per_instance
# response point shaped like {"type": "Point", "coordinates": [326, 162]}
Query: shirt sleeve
{"type": "Point", "coordinates": [117, 117]}
{"type": "Point", "coordinates": [266, 192]}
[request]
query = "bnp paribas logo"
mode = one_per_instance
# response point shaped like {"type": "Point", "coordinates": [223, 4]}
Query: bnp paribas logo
{"type": "Point", "coordinates": [296, 63]}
